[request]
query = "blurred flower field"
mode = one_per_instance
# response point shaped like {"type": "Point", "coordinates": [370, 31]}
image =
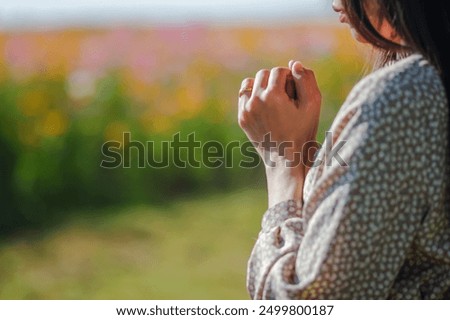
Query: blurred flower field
{"type": "Point", "coordinates": [64, 93]}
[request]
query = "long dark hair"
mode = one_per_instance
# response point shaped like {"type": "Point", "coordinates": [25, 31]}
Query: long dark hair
{"type": "Point", "coordinates": [424, 25]}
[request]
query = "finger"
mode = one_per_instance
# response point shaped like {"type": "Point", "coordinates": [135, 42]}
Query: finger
{"type": "Point", "coordinates": [290, 87]}
{"type": "Point", "coordinates": [297, 74]}
{"type": "Point", "coordinates": [246, 87]}
{"type": "Point", "coordinates": [291, 63]}
{"type": "Point", "coordinates": [277, 79]}
{"type": "Point", "coordinates": [244, 95]}
{"type": "Point", "coordinates": [261, 81]}
{"type": "Point", "coordinates": [305, 82]}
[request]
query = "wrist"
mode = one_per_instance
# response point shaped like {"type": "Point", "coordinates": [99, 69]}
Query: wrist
{"type": "Point", "coordinates": [284, 183]}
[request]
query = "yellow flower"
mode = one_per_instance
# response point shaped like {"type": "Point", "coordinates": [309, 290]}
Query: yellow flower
{"type": "Point", "coordinates": [53, 124]}
{"type": "Point", "coordinates": [189, 99]}
{"type": "Point", "coordinates": [33, 103]}
{"type": "Point", "coordinates": [115, 130]}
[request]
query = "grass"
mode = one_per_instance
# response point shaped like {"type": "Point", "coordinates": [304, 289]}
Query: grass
{"type": "Point", "coordinates": [190, 249]}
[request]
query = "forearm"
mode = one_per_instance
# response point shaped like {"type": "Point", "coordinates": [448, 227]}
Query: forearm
{"type": "Point", "coordinates": [284, 183]}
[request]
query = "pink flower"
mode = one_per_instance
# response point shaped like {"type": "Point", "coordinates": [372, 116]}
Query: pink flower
{"type": "Point", "coordinates": [21, 56]}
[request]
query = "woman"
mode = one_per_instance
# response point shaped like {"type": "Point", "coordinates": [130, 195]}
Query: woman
{"type": "Point", "coordinates": [374, 222]}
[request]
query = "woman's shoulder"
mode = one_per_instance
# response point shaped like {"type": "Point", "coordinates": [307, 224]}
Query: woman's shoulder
{"type": "Point", "coordinates": [404, 99]}
{"type": "Point", "coordinates": [411, 85]}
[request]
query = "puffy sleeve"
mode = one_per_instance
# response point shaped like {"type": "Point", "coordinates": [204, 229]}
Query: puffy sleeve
{"type": "Point", "coordinates": [351, 235]}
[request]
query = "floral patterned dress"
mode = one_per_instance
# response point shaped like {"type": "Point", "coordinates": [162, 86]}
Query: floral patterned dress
{"type": "Point", "coordinates": [379, 226]}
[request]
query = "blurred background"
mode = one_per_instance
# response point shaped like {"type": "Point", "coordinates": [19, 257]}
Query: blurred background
{"type": "Point", "coordinates": [75, 74]}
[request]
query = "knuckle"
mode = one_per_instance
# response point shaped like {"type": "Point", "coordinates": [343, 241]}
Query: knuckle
{"type": "Point", "coordinates": [246, 82]}
{"type": "Point", "coordinates": [263, 72]}
{"type": "Point", "coordinates": [277, 70]}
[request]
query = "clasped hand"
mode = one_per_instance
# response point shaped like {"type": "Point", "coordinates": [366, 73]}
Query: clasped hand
{"type": "Point", "coordinates": [281, 128]}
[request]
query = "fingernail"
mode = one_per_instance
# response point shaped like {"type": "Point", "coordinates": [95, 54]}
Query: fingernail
{"type": "Point", "coordinates": [297, 70]}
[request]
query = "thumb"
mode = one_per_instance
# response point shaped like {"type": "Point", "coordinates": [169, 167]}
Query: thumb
{"type": "Point", "coordinates": [305, 82]}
